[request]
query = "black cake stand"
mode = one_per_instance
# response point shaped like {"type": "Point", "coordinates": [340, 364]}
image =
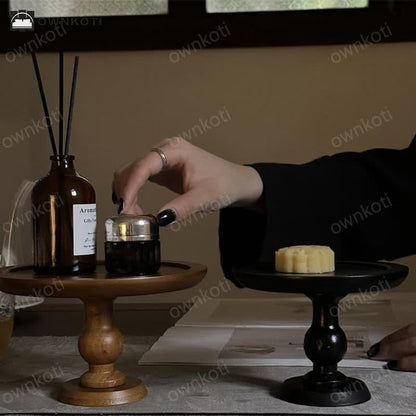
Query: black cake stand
{"type": "Point", "coordinates": [325, 342]}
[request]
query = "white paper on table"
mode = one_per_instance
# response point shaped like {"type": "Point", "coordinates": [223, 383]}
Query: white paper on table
{"type": "Point", "coordinates": [284, 343]}
{"type": "Point", "coordinates": [256, 332]}
{"type": "Point", "coordinates": [276, 346]}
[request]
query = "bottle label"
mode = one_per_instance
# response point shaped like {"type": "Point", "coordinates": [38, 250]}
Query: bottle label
{"type": "Point", "coordinates": [85, 228]}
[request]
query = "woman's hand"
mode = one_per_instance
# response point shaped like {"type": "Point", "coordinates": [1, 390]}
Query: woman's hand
{"type": "Point", "coordinates": [399, 349]}
{"type": "Point", "coordinates": [204, 181]}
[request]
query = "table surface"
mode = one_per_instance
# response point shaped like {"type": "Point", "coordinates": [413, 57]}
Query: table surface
{"type": "Point", "coordinates": [177, 389]}
{"type": "Point", "coordinates": [173, 389]}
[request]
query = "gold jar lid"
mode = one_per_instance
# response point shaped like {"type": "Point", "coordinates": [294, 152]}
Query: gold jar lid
{"type": "Point", "coordinates": [132, 228]}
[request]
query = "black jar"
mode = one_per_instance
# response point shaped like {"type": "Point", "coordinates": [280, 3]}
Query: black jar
{"type": "Point", "coordinates": [132, 245]}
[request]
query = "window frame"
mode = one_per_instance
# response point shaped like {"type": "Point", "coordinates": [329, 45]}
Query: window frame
{"type": "Point", "coordinates": [187, 20]}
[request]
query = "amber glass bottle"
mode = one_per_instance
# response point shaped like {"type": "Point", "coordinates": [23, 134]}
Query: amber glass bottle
{"type": "Point", "coordinates": [64, 221]}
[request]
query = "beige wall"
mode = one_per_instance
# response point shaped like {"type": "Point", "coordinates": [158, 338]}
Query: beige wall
{"type": "Point", "coordinates": [286, 104]}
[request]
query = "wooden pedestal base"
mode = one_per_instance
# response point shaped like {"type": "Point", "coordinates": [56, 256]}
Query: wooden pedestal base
{"type": "Point", "coordinates": [73, 393]}
{"type": "Point", "coordinates": [100, 344]}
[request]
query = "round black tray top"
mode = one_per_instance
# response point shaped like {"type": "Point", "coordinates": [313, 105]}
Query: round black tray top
{"type": "Point", "coordinates": [348, 277]}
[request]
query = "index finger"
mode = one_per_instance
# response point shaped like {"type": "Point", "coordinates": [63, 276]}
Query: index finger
{"type": "Point", "coordinates": [143, 169]}
{"type": "Point", "coordinates": [137, 176]}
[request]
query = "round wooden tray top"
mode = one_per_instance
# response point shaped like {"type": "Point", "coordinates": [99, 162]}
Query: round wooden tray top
{"type": "Point", "coordinates": [21, 280]}
{"type": "Point", "coordinates": [348, 277]}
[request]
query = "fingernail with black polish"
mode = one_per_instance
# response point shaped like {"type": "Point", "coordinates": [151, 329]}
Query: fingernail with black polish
{"type": "Point", "coordinates": [114, 198]}
{"type": "Point", "coordinates": [392, 365]}
{"type": "Point", "coordinates": [120, 206]}
{"type": "Point", "coordinates": [166, 217]}
{"type": "Point", "coordinates": [374, 350]}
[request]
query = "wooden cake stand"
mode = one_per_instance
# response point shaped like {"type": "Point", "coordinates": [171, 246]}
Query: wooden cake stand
{"type": "Point", "coordinates": [101, 342]}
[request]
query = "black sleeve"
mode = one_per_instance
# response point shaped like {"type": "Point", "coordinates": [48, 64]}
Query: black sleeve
{"type": "Point", "coordinates": [362, 205]}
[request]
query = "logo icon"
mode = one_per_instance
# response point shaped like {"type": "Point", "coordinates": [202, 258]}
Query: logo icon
{"type": "Point", "coordinates": [22, 20]}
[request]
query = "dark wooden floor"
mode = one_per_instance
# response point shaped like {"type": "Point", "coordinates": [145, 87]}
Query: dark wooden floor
{"type": "Point", "coordinates": [66, 320]}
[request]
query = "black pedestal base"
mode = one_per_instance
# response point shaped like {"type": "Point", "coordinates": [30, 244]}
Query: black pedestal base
{"type": "Point", "coordinates": [351, 391]}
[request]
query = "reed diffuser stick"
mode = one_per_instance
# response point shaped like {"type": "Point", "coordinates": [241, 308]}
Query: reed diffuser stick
{"type": "Point", "coordinates": [61, 103]}
{"type": "Point", "coordinates": [44, 103]}
{"type": "Point", "coordinates": [71, 104]}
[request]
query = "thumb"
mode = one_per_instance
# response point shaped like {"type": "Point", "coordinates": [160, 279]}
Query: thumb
{"type": "Point", "coordinates": [195, 200]}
